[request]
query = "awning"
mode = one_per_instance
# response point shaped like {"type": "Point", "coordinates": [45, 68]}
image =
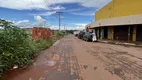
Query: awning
{"type": "Point", "coordinates": [125, 20]}
{"type": "Point", "coordinates": [88, 25]}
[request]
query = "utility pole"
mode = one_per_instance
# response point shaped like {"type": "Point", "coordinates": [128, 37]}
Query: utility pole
{"type": "Point", "coordinates": [59, 18]}
{"type": "Point", "coordinates": [64, 28]}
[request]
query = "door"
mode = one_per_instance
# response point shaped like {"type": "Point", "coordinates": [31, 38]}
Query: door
{"type": "Point", "coordinates": [121, 32]}
{"type": "Point", "coordinates": [139, 33]}
{"type": "Point", "coordinates": [105, 32]}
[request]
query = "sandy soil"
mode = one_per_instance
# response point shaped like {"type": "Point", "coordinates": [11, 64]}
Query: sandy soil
{"type": "Point", "coordinates": [74, 59]}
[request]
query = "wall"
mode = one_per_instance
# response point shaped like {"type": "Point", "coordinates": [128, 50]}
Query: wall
{"type": "Point", "coordinates": [110, 33]}
{"type": "Point", "coordinates": [41, 33]}
{"type": "Point", "coordinates": [134, 33]}
{"type": "Point", "coordinates": [127, 7]}
{"type": "Point", "coordinates": [118, 8]}
{"type": "Point", "coordinates": [105, 12]}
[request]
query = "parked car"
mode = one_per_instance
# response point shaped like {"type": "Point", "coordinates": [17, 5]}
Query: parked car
{"type": "Point", "coordinates": [76, 33]}
{"type": "Point", "coordinates": [87, 36]}
{"type": "Point", "coordinates": [80, 35]}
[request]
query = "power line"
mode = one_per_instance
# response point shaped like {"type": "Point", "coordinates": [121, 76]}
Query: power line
{"type": "Point", "coordinates": [58, 12]}
{"type": "Point", "coordinates": [34, 7]}
{"type": "Point", "coordinates": [48, 5]}
{"type": "Point", "coordinates": [64, 27]}
{"type": "Point", "coordinates": [33, 4]}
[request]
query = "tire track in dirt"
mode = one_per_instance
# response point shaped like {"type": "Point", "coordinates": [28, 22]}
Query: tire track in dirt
{"type": "Point", "coordinates": [69, 65]}
{"type": "Point", "coordinates": [57, 63]}
{"type": "Point", "coordinates": [117, 62]}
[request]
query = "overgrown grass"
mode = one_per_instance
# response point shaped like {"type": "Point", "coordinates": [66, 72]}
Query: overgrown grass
{"type": "Point", "coordinates": [42, 44]}
{"type": "Point", "coordinates": [58, 34]}
{"type": "Point", "coordinates": [17, 48]}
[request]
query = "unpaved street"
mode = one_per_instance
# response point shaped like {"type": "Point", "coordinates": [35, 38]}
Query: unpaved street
{"type": "Point", "coordinates": [74, 59]}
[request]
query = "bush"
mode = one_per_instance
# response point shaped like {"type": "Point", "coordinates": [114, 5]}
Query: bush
{"type": "Point", "coordinates": [42, 44]}
{"type": "Point", "coordinates": [59, 34]}
{"type": "Point", "coordinates": [17, 48]}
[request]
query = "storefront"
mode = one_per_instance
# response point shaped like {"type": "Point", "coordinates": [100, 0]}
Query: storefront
{"type": "Point", "coordinates": [139, 33]}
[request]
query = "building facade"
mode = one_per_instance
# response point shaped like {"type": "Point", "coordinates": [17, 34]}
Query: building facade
{"type": "Point", "coordinates": [119, 20]}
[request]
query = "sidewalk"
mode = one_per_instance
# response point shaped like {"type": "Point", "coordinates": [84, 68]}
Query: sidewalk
{"type": "Point", "coordinates": [124, 43]}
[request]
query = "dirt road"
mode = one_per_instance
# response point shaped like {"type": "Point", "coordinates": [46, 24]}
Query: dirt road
{"type": "Point", "coordinates": [74, 59]}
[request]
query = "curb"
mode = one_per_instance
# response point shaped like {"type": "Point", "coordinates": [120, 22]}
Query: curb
{"type": "Point", "coordinates": [120, 43]}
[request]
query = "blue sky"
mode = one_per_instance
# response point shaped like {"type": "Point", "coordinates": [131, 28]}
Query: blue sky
{"type": "Point", "coordinates": [34, 13]}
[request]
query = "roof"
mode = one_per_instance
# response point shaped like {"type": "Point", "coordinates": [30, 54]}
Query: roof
{"type": "Point", "coordinates": [124, 20]}
{"type": "Point", "coordinates": [88, 25]}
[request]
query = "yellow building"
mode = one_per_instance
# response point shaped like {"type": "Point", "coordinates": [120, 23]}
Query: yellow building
{"type": "Point", "coordinates": [119, 20]}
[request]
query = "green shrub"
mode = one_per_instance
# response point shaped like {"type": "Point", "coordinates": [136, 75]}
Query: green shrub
{"type": "Point", "coordinates": [17, 48]}
{"type": "Point", "coordinates": [42, 44]}
{"type": "Point", "coordinates": [59, 34]}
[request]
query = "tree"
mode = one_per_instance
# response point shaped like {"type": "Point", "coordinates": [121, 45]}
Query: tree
{"type": "Point", "coordinates": [15, 47]}
{"type": "Point", "coordinates": [5, 24]}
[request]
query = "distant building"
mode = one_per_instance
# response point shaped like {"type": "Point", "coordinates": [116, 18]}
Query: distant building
{"type": "Point", "coordinates": [119, 20]}
{"type": "Point", "coordinates": [28, 30]}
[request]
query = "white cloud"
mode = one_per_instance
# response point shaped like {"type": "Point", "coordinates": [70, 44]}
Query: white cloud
{"type": "Point", "coordinates": [56, 27]}
{"type": "Point", "coordinates": [38, 18]}
{"type": "Point", "coordinates": [83, 13]}
{"type": "Point", "coordinates": [73, 10]}
{"type": "Point", "coordinates": [22, 4]}
{"type": "Point", "coordinates": [63, 17]}
{"type": "Point", "coordinates": [39, 22]}
{"type": "Point", "coordinates": [80, 26]}
{"type": "Point", "coordinates": [41, 4]}
{"type": "Point", "coordinates": [94, 3]}
{"type": "Point", "coordinates": [47, 13]}
{"type": "Point", "coordinates": [72, 28]}
{"type": "Point", "coordinates": [23, 23]}
{"type": "Point", "coordinates": [62, 28]}
{"type": "Point", "coordinates": [57, 7]}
